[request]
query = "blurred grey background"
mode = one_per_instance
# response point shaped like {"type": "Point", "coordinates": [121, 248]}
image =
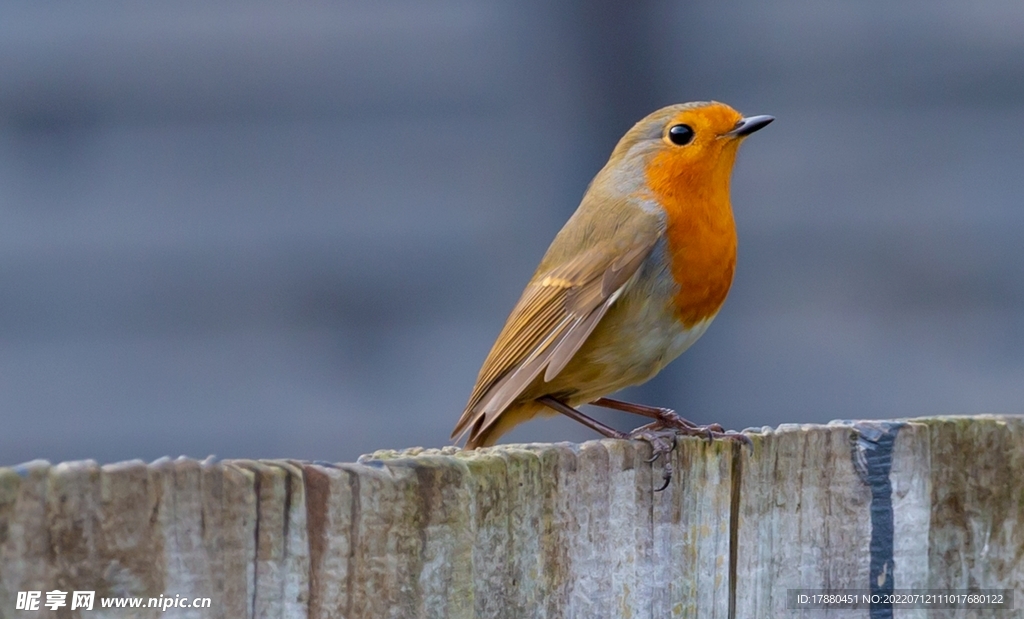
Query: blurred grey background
{"type": "Point", "coordinates": [262, 230]}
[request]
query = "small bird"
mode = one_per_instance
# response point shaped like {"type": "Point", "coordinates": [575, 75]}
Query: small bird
{"type": "Point", "coordinates": [630, 282]}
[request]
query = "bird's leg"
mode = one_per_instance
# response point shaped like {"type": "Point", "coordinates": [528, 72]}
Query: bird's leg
{"type": "Point", "coordinates": [667, 418]}
{"type": "Point", "coordinates": [574, 414]}
{"type": "Point", "coordinates": [660, 442]}
{"type": "Point", "coordinates": [665, 415]}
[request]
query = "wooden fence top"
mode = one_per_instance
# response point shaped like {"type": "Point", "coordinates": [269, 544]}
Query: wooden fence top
{"type": "Point", "coordinates": [542, 530]}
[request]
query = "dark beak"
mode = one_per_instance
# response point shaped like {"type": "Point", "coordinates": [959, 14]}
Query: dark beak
{"type": "Point", "coordinates": [748, 125]}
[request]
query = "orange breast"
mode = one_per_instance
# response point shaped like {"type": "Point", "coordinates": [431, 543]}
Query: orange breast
{"type": "Point", "coordinates": [701, 233]}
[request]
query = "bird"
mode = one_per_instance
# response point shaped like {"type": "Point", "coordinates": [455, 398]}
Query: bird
{"type": "Point", "coordinates": [633, 279]}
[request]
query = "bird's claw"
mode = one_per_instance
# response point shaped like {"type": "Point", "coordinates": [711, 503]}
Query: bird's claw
{"type": "Point", "coordinates": [742, 438]}
{"type": "Point", "coordinates": [709, 432]}
{"type": "Point", "coordinates": [662, 434]}
{"type": "Point", "coordinates": [662, 441]}
{"type": "Point", "coordinates": [666, 476]}
{"type": "Point", "coordinates": [668, 418]}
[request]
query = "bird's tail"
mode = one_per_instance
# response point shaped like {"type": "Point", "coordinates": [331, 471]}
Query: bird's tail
{"type": "Point", "coordinates": [507, 419]}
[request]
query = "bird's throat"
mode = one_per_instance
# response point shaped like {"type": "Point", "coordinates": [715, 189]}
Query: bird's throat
{"type": "Point", "coordinates": [701, 238]}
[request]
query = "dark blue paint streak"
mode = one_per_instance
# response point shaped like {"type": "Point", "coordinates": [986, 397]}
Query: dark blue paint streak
{"type": "Point", "coordinates": [872, 458]}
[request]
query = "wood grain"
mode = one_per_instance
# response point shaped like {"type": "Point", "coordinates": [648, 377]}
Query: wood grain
{"type": "Point", "coordinates": [547, 531]}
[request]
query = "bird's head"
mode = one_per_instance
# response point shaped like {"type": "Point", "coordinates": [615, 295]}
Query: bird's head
{"type": "Point", "coordinates": [684, 149]}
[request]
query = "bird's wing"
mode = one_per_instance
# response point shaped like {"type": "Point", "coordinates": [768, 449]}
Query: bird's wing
{"type": "Point", "coordinates": [557, 312]}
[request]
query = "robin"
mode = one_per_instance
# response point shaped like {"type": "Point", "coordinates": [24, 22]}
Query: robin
{"type": "Point", "coordinates": [630, 282]}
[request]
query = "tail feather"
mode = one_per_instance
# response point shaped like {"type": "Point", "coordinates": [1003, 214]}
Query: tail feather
{"type": "Point", "coordinates": [507, 419]}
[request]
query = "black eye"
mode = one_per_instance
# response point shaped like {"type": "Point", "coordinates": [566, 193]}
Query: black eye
{"type": "Point", "coordinates": [681, 135]}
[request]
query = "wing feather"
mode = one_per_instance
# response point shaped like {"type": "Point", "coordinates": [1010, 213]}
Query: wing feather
{"type": "Point", "coordinates": [554, 317]}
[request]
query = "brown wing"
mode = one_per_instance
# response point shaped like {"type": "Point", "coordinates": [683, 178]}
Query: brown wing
{"type": "Point", "coordinates": [557, 312]}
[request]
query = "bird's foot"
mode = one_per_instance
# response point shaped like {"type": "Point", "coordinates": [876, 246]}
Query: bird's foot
{"type": "Point", "coordinates": [663, 441]}
{"type": "Point", "coordinates": [661, 434]}
{"type": "Point", "coordinates": [667, 418]}
{"type": "Point", "coordinates": [713, 431]}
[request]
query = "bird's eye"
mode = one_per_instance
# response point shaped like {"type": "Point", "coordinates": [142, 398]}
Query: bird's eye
{"type": "Point", "coordinates": [680, 135]}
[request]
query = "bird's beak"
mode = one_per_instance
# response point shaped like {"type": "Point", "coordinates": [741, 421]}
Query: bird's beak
{"type": "Point", "coordinates": [748, 125]}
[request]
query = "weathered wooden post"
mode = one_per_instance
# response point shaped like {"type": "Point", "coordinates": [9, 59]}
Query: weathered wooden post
{"type": "Point", "coordinates": [532, 530]}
